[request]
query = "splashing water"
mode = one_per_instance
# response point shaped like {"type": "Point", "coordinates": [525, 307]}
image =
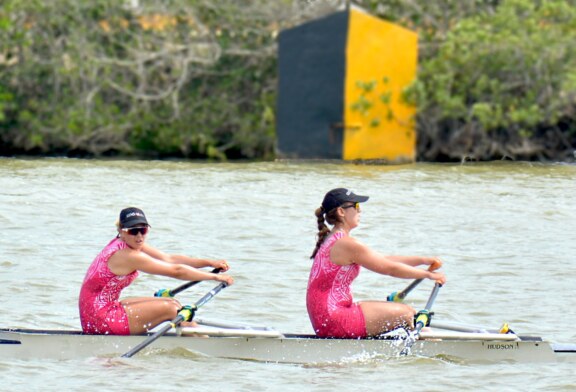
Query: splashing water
{"type": "Point", "coordinates": [410, 340]}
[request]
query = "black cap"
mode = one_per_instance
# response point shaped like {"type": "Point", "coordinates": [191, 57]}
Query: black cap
{"type": "Point", "coordinates": [132, 216]}
{"type": "Point", "coordinates": [337, 197]}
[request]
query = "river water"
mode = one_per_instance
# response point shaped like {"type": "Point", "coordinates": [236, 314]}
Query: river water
{"type": "Point", "coordinates": [505, 231]}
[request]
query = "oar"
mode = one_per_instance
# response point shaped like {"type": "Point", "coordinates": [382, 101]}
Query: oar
{"type": "Point", "coordinates": [422, 319]}
{"type": "Point", "coordinates": [173, 292]}
{"type": "Point", "coordinates": [185, 314]}
{"type": "Point", "coordinates": [399, 296]}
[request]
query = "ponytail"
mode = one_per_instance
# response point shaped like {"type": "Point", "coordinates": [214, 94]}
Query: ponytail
{"type": "Point", "coordinates": [323, 230]}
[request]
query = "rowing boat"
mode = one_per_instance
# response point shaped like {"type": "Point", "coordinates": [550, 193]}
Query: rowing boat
{"type": "Point", "coordinates": [267, 345]}
{"type": "Point", "coordinates": [452, 341]}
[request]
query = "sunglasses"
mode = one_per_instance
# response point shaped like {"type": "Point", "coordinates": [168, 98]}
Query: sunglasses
{"type": "Point", "coordinates": [136, 230]}
{"type": "Point", "coordinates": [356, 206]}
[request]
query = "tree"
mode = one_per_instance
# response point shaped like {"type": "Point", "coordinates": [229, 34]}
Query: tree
{"type": "Point", "coordinates": [165, 78]}
{"type": "Point", "coordinates": [496, 78]}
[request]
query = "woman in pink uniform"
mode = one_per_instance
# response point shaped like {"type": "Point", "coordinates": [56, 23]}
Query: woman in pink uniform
{"type": "Point", "coordinates": [337, 261]}
{"type": "Point", "coordinates": [116, 267]}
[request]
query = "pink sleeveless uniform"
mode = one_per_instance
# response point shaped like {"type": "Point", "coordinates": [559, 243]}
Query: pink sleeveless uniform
{"type": "Point", "coordinates": [329, 297]}
{"type": "Point", "coordinates": [100, 310]}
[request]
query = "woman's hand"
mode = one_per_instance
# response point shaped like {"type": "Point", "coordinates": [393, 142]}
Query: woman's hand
{"type": "Point", "coordinates": [439, 277]}
{"type": "Point", "coordinates": [434, 264]}
{"type": "Point", "coordinates": [224, 278]}
{"type": "Point", "coordinates": [222, 264]}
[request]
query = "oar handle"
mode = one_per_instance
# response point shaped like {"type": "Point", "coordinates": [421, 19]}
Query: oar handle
{"type": "Point", "coordinates": [179, 289]}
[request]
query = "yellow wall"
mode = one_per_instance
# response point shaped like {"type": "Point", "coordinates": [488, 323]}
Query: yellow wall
{"type": "Point", "coordinates": [383, 55]}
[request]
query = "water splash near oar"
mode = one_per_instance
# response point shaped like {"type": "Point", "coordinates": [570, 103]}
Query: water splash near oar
{"type": "Point", "coordinates": [409, 342]}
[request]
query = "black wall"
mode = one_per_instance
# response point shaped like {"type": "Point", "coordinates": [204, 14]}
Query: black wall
{"type": "Point", "coordinates": [311, 88]}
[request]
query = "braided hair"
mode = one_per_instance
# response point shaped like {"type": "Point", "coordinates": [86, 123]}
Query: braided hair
{"type": "Point", "coordinates": [323, 231]}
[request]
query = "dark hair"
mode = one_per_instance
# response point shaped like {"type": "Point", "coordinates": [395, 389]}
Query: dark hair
{"type": "Point", "coordinates": [323, 230]}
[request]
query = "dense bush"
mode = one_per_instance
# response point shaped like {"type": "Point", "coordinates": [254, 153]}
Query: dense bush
{"type": "Point", "coordinates": [503, 84]}
{"type": "Point", "coordinates": [197, 78]}
{"type": "Point", "coordinates": [497, 79]}
{"type": "Point", "coordinates": [149, 79]}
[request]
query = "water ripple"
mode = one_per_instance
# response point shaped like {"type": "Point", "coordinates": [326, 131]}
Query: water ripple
{"type": "Point", "coordinates": [503, 229]}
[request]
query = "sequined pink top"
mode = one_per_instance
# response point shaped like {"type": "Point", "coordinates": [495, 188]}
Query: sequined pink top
{"type": "Point", "coordinates": [99, 302]}
{"type": "Point", "coordinates": [329, 296]}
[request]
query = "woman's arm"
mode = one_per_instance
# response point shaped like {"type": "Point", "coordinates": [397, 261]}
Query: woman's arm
{"type": "Point", "coordinates": [183, 259]}
{"type": "Point", "coordinates": [126, 261]}
{"type": "Point", "coordinates": [348, 250]}
{"type": "Point", "coordinates": [433, 262]}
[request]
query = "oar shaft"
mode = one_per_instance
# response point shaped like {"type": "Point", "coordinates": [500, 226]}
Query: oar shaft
{"type": "Point", "coordinates": [421, 320]}
{"type": "Point", "coordinates": [410, 287]}
{"type": "Point", "coordinates": [179, 289]}
{"type": "Point", "coordinates": [421, 323]}
{"type": "Point", "coordinates": [173, 292]}
{"type": "Point", "coordinates": [400, 295]}
{"type": "Point", "coordinates": [210, 294]}
{"type": "Point", "coordinates": [186, 313]}
{"type": "Point", "coordinates": [433, 296]}
{"type": "Point", "coordinates": [153, 337]}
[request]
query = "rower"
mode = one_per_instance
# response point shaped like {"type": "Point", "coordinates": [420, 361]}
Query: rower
{"type": "Point", "coordinates": [338, 258]}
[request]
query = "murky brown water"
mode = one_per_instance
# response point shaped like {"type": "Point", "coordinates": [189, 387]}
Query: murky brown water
{"type": "Point", "coordinates": [505, 231]}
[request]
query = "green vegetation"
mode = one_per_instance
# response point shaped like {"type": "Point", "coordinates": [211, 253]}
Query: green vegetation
{"type": "Point", "coordinates": [501, 84]}
{"type": "Point", "coordinates": [198, 78]}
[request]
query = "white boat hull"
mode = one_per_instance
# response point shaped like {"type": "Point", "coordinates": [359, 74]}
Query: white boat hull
{"type": "Point", "coordinates": [269, 346]}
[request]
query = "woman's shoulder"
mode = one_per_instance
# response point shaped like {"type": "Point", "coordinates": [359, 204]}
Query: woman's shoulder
{"type": "Point", "coordinates": [336, 235]}
{"type": "Point", "coordinates": [123, 260]}
{"type": "Point", "coordinates": [347, 242]}
{"type": "Point", "coordinates": [344, 250]}
{"type": "Point", "coordinates": [119, 249]}
{"type": "Point", "coordinates": [115, 243]}
{"type": "Point", "coordinates": [331, 239]}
